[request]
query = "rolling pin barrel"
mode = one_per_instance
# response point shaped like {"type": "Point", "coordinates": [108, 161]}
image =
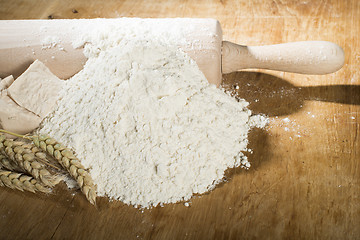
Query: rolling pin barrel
{"type": "Point", "coordinates": [309, 57]}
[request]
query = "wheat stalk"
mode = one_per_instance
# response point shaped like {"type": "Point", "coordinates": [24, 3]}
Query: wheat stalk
{"type": "Point", "coordinates": [27, 162]}
{"type": "Point", "coordinates": [21, 182]}
{"type": "Point", "coordinates": [67, 160]}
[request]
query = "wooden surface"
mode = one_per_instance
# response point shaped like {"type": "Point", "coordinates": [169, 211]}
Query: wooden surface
{"type": "Point", "coordinates": [304, 181]}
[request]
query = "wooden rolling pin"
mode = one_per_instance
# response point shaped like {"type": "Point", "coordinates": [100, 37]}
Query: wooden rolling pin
{"type": "Point", "coordinates": [22, 41]}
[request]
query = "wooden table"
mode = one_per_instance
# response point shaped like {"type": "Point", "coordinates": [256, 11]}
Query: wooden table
{"type": "Point", "coordinates": [304, 181]}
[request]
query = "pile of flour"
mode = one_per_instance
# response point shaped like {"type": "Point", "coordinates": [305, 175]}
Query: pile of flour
{"type": "Point", "coordinates": [145, 121]}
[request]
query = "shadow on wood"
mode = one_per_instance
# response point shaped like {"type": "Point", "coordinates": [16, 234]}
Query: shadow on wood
{"type": "Point", "coordinates": [273, 96]}
{"type": "Point", "coordinates": [344, 94]}
{"type": "Point", "coordinates": [261, 152]}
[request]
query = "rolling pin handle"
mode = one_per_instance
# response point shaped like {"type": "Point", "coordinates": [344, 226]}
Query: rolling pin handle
{"type": "Point", "coordinates": [309, 57]}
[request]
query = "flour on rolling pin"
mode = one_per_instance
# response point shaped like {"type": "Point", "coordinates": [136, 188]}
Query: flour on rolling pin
{"type": "Point", "coordinates": [200, 38]}
{"type": "Point", "coordinates": [144, 119]}
{"type": "Point", "coordinates": [141, 114]}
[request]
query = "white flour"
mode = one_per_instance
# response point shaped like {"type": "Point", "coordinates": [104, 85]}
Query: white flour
{"type": "Point", "coordinates": [143, 118]}
{"type": "Point", "coordinates": [50, 42]}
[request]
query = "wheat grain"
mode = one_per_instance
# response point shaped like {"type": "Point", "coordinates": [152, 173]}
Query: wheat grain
{"type": "Point", "coordinates": [4, 161]}
{"type": "Point", "coordinates": [2, 139]}
{"type": "Point", "coordinates": [7, 164]}
{"type": "Point", "coordinates": [43, 157]}
{"type": "Point", "coordinates": [21, 182]}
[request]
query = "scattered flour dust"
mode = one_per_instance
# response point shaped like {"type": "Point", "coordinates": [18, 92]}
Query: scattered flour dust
{"type": "Point", "coordinates": [50, 42]}
{"type": "Point", "coordinates": [145, 121]}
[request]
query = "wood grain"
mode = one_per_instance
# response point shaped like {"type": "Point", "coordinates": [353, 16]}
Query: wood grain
{"type": "Point", "coordinates": [305, 177]}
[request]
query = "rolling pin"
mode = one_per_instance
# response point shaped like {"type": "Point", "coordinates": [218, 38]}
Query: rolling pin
{"type": "Point", "coordinates": [22, 42]}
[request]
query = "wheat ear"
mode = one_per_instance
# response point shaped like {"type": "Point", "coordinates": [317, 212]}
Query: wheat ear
{"type": "Point", "coordinates": [67, 160]}
{"type": "Point", "coordinates": [27, 162]}
{"type": "Point", "coordinates": [21, 182]}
